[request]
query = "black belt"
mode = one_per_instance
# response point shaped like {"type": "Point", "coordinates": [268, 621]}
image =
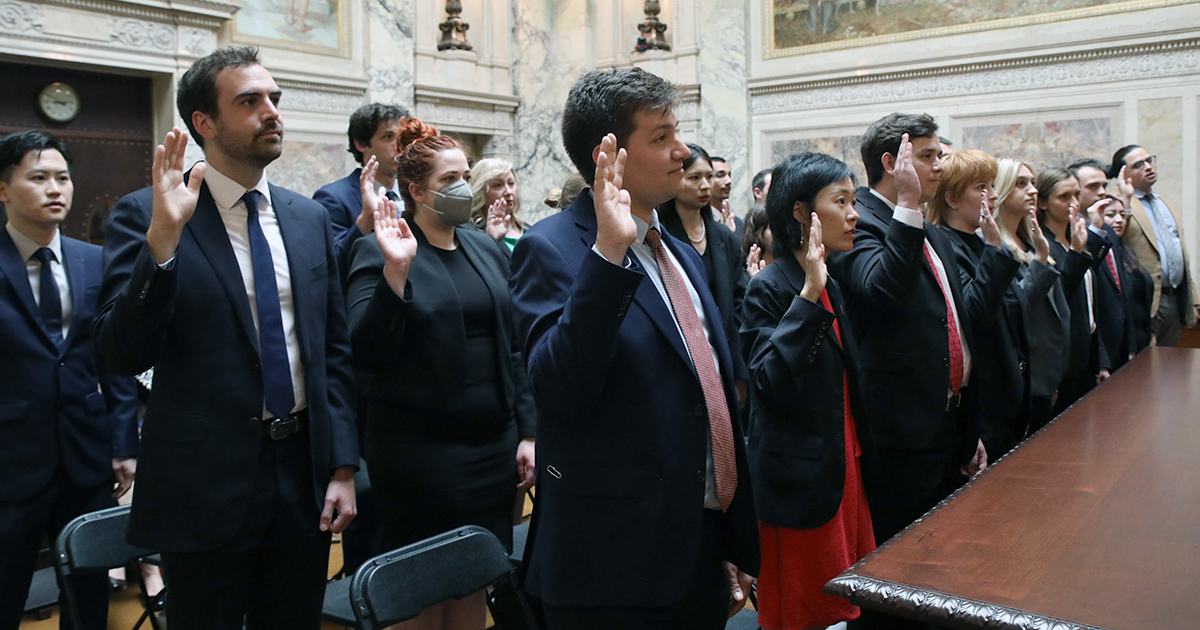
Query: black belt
{"type": "Point", "coordinates": [280, 428]}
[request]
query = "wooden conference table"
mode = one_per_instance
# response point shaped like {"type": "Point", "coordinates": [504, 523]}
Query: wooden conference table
{"type": "Point", "coordinates": [1092, 523]}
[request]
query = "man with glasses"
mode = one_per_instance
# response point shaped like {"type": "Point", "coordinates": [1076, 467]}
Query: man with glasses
{"type": "Point", "coordinates": [1154, 233]}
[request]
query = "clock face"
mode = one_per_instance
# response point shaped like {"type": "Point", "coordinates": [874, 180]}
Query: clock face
{"type": "Point", "coordinates": [59, 102]}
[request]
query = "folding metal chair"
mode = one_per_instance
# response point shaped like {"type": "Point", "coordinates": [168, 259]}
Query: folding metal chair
{"type": "Point", "coordinates": [96, 542]}
{"type": "Point", "coordinates": [398, 585]}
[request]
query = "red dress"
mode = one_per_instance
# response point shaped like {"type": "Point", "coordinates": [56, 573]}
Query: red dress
{"type": "Point", "coordinates": [796, 563]}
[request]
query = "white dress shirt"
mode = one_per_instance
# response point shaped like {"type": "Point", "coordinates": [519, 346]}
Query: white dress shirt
{"type": "Point", "coordinates": [33, 267]}
{"type": "Point", "coordinates": [914, 218]}
{"type": "Point", "coordinates": [646, 257]}
{"type": "Point", "coordinates": [228, 196]}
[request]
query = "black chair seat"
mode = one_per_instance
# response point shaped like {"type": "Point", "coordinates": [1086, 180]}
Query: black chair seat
{"type": "Point", "coordinates": [520, 536]}
{"type": "Point", "coordinates": [43, 591]}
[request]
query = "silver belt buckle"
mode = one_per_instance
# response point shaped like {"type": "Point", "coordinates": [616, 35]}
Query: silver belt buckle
{"type": "Point", "coordinates": [283, 427]}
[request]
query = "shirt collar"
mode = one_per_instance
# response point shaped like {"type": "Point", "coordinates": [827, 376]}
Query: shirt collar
{"type": "Point", "coordinates": [643, 227]}
{"type": "Point", "coordinates": [26, 246]}
{"type": "Point", "coordinates": [1142, 195]}
{"type": "Point", "coordinates": [890, 205]}
{"type": "Point", "coordinates": [226, 192]}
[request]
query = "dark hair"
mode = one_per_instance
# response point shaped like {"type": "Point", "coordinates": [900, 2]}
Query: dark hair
{"type": "Point", "coordinates": [14, 147]}
{"type": "Point", "coordinates": [717, 158]}
{"type": "Point", "coordinates": [197, 89]}
{"type": "Point", "coordinates": [944, 140]}
{"type": "Point", "coordinates": [605, 101]}
{"type": "Point", "coordinates": [798, 178]}
{"type": "Point", "coordinates": [752, 233]}
{"type": "Point", "coordinates": [418, 145]}
{"type": "Point", "coordinates": [883, 136]}
{"type": "Point", "coordinates": [668, 209]}
{"type": "Point", "coordinates": [1086, 163]}
{"type": "Point", "coordinates": [1118, 160]}
{"type": "Point", "coordinates": [760, 179]}
{"type": "Point", "coordinates": [1045, 182]}
{"type": "Point", "coordinates": [365, 121]}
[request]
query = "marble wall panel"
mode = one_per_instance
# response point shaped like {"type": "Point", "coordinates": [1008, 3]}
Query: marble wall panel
{"type": "Point", "coordinates": [550, 55]}
{"type": "Point", "coordinates": [1044, 143]}
{"type": "Point", "coordinates": [306, 166]}
{"type": "Point", "coordinates": [844, 148]}
{"type": "Point", "coordinates": [1160, 130]}
{"type": "Point", "coordinates": [391, 53]}
{"type": "Point", "coordinates": [724, 98]}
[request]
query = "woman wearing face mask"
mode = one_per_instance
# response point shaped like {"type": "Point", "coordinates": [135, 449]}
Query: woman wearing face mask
{"type": "Point", "coordinates": [689, 217]}
{"type": "Point", "coordinates": [450, 423]}
{"type": "Point", "coordinates": [496, 201]}
{"type": "Point", "coordinates": [804, 439]}
{"type": "Point", "coordinates": [1065, 227]}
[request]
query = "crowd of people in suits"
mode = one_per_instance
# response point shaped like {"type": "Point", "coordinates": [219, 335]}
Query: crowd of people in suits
{"type": "Point", "coordinates": [704, 404]}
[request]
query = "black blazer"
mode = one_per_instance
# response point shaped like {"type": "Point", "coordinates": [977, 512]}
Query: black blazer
{"type": "Point", "coordinates": [343, 201]}
{"type": "Point", "coordinates": [192, 322]}
{"type": "Point", "coordinates": [728, 280]}
{"type": "Point", "coordinates": [622, 424]}
{"type": "Point", "coordinates": [898, 316]}
{"type": "Point", "coordinates": [58, 408]}
{"type": "Point", "coordinates": [1114, 322]}
{"type": "Point", "coordinates": [1141, 298]}
{"type": "Point", "coordinates": [999, 390]}
{"type": "Point", "coordinates": [797, 394]}
{"type": "Point", "coordinates": [415, 346]}
{"type": "Point", "coordinates": [1085, 356]}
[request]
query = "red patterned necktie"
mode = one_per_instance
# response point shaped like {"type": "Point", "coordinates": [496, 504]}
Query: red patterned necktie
{"type": "Point", "coordinates": [719, 426]}
{"type": "Point", "coordinates": [956, 355]}
{"type": "Point", "coordinates": [1112, 266]}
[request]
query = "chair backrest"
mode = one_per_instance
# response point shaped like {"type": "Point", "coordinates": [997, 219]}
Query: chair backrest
{"type": "Point", "coordinates": [398, 585]}
{"type": "Point", "coordinates": [96, 541]}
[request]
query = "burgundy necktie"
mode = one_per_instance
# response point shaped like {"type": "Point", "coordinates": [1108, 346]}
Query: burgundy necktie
{"type": "Point", "coordinates": [1112, 266]}
{"type": "Point", "coordinates": [956, 355]}
{"type": "Point", "coordinates": [719, 426]}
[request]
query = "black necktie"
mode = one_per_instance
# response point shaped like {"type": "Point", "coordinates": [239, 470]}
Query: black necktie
{"type": "Point", "coordinates": [278, 395]}
{"type": "Point", "coordinates": [49, 302]}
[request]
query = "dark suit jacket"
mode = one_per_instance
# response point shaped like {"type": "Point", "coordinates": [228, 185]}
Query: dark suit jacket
{"type": "Point", "coordinates": [1114, 322]}
{"type": "Point", "coordinates": [728, 280]}
{"type": "Point", "coordinates": [1141, 297]}
{"type": "Point", "coordinates": [999, 352]}
{"type": "Point", "coordinates": [192, 323]}
{"type": "Point", "coordinates": [898, 315]}
{"type": "Point", "coordinates": [58, 408]}
{"type": "Point", "coordinates": [416, 346]}
{"type": "Point", "coordinates": [1085, 355]}
{"type": "Point", "coordinates": [797, 394]}
{"type": "Point", "coordinates": [343, 201]}
{"type": "Point", "coordinates": [622, 426]}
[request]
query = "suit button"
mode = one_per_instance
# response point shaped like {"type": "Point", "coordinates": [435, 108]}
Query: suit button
{"type": "Point", "coordinates": [946, 362]}
{"type": "Point", "coordinates": [256, 367]}
{"type": "Point", "coordinates": [943, 322]}
{"type": "Point", "coordinates": [699, 476]}
{"type": "Point", "coordinates": [698, 411]}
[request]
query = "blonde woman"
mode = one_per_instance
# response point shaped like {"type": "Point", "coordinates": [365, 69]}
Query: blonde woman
{"type": "Point", "coordinates": [496, 202]}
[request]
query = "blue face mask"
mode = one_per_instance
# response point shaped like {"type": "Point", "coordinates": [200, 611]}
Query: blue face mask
{"type": "Point", "coordinates": [453, 203]}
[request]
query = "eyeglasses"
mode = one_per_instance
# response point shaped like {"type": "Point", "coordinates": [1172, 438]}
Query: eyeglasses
{"type": "Point", "coordinates": [1141, 164]}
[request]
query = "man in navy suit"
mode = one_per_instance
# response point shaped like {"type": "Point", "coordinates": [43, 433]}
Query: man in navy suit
{"type": "Point", "coordinates": [372, 133]}
{"type": "Point", "coordinates": [644, 516]}
{"type": "Point", "coordinates": [1111, 302]}
{"type": "Point", "coordinates": [228, 286]}
{"type": "Point", "coordinates": [67, 429]}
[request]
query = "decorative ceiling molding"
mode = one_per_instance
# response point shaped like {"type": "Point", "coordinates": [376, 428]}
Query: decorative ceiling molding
{"type": "Point", "coordinates": [1112, 64]}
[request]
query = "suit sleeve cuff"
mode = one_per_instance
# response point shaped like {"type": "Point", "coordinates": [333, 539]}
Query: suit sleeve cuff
{"type": "Point", "coordinates": [626, 263]}
{"type": "Point", "coordinates": [909, 217]}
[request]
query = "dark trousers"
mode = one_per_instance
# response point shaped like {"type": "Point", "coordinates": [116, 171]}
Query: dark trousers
{"type": "Point", "coordinates": [1166, 323]}
{"type": "Point", "coordinates": [22, 526]}
{"type": "Point", "coordinates": [705, 605]}
{"type": "Point", "coordinates": [273, 573]}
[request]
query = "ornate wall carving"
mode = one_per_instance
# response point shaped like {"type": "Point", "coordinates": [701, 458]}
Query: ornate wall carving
{"type": "Point", "coordinates": [115, 26]}
{"type": "Point", "coordinates": [323, 98]}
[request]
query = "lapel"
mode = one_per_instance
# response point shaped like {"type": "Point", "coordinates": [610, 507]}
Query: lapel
{"type": "Point", "coordinates": [14, 269]}
{"type": "Point", "coordinates": [872, 204]}
{"type": "Point", "coordinates": [939, 242]}
{"type": "Point", "coordinates": [794, 273]}
{"type": "Point", "coordinates": [303, 240]}
{"type": "Point", "coordinates": [355, 181]}
{"type": "Point", "coordinates": [77, 273]}
{"type": "Point", "coordinates": [647, 296]}
{"type": "Point", "coordinates": [208, 230]}
{"type": "Point", "coordinates": [1147, 226]}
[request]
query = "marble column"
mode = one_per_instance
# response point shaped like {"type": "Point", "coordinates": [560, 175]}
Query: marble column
{"type": "Point", "coordinates": [724, 97]}
{"type": "Point", "coordinates": [391, 61]}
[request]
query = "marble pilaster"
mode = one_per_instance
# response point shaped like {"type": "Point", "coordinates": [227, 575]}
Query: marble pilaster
{"type": "Point", "coordinates": [724, 97]}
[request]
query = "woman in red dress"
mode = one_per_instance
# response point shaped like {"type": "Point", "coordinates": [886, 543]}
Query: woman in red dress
{"type": "Point", "coordinates": [805, 446]}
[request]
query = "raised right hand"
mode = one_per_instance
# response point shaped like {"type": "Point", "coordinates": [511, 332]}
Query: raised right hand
{"type": "Point", "coordinates": [370, 200]}
{"type": "Point", "coordinates": [615, 229]}
{"type": "Point", "coordinates": [1041, 246]}
{"type": "Point", "coordinates": [1079, 230]}
{"type": "Point", "coordinates": [815, 272]}
{"type": "Point", "coordinates": [754, 261]}
{"type": "Point", "coordinates": [174, 202]}
{"type": "Point", "coordinates": [1125, 186]}
{"type": "Point", "coordinates": [1095, 213]}
{"type": "Point", "coordinates": [396, 242]}
{"type": "Point", "coordinates": [908, 183]}
{"type": "Point", "coordinates": [497, 220]}
{"type": "Point", "coordinates": [987, 224]}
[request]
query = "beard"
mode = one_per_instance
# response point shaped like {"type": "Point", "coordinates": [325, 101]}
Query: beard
{"type": "Point", "coordinates": [258, 150]}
